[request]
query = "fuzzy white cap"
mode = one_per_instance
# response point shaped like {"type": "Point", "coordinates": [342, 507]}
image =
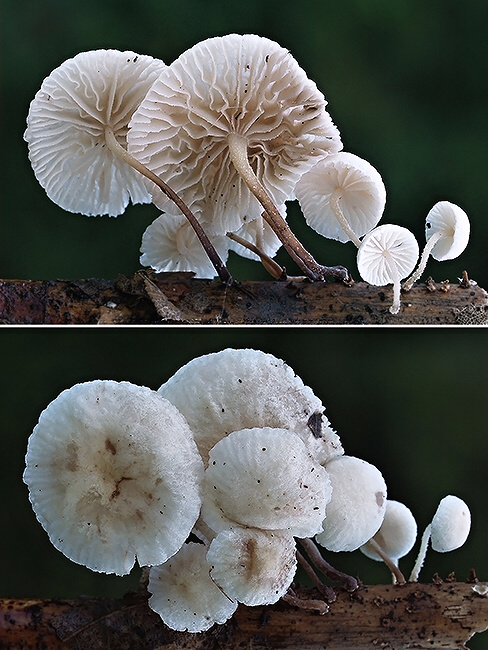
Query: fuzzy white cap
{"type": "Point", "coordinates": [450, 525]}
{"type": "Point", "coordinates": [113, 474]}
{"type": "Point", "coordinates": [255, 567]}
{"type": "Point", "coordinates": [265, 478]}
{"type": "Point", "coordinates": [357, 507]}
{"type": "Point", "coordinates": [184, 595]}
{"type": "Point", "coordinates": [397, 533]}
{"type": "Point", "coordinates": [241, 389]}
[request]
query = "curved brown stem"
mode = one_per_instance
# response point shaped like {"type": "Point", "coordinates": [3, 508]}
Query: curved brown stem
{"type": "Point", "coordinates": [214, 257]}
{"type": "Point", "coordinates": [296, 250]}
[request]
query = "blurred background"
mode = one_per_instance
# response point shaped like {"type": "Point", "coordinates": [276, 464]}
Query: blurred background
{"type": "Point", "coordinates": [410, 401]}
{"type": "Point", "coordinates": [406, 84]}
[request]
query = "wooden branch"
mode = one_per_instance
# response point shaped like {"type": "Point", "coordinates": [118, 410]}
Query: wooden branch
{"type": "Point", "coordinates": [437, 615]}
{"type": "Point", "coordinates": [179, 298]}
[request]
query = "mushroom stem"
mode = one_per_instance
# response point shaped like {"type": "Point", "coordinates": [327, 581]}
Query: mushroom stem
{"type": "Point", "coordinates": [398, 576]}
{"type": "Point", "coordinates": [395, 307]}
{"type": "Point", "coordinates": [408, 284]}
{"type": "Point", "coordinates": [315, 271]}
{"type": "Point", "coordinates": [214, 257]}
{"type": "Point", "coordinates": [325, 590]}
{"type": "Point", "coordinates": [424, 543]}
{"type": "Point", "coordinates": [350, 583]}
{"type": "Point", "coordinates": [334, 201]}
{"type": "Point", "coordinates": [269, 264]}
{"type": "Point", "coordinates": [305, 603]}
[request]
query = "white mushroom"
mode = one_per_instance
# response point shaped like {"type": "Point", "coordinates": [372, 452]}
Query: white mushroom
{"type": "Point", "coordinates": [448, 530]}
{"type": "Point", "coordinates": [357, 506]}
{"type": "Point", "coordinates": [113, 474]}
{"type": "Point", "coordinates": [231, 125]}
{"type": "Point", "coordinates": [447, 234]}
{"type": "Point", "coordinates": [170, 244]}
{"type": "Point", "coordinates": [265, 478]}
{"type": "Point", "coordinates": [81, 104]}
{"type": "Point", "coordinates": [184, 595]}
{"type": "Point", "coordinates": [254, 567]}
{"type": "Point", "coordinates": [245, 388]}
{"type": "Point", "coordinates": [387, 255]}
{"type": "Point", "coordinates": [342, 197]}
{"type": "Point", "coordinates": [395, 537]}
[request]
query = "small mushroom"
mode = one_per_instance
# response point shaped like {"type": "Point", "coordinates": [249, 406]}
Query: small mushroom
{"type": "Point", "coordinates": [80, 108]}
{"type": "Point", "coordinates": [113, 474]}
{"type": "Point", "coordinates": [245, 388]}
{"type": "Point", "coordinates": [254, 567]}
{"type": "Point", "coordinates": [170, 244]}
{"type": "Point", "coordinates": [265, 478]}
{"type": "Point", "coordinates": [357, 507]}
{"type": "Point", "coordinates": [231, 125]}
{"type": "Point", "coordinates": [447, 234]}
{"type": "Point", "coordinates": [448, 530]}
{"type": "Point", "coordinates": [394, 539]}
{"type": "Point", "coordinates": [184, 595]}
{"type": "Point", "coordinates": [387, 255]}
{"type": "Point", "coordinates": [342, 197]}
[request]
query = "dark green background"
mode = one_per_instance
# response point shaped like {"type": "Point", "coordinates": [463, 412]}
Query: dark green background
{"type": "Point", "coordinates": [410, 401]}
{"type": "Point", "coordinates": [406, 83]}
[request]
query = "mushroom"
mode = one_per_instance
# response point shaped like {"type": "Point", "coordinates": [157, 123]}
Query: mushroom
{"type": "Point", "coordinates": [265, 478]}
{"type": "Point", "coordinates": [170, 244]}
{"type": "Point", "coordinates": [76, 134]}
{"type": "Point", "coordinates": [245, 388]}
{"type": "Point", "coordinates": [387, 255]}
{"type": "Point", "coordinates": [357, 506]}
{"type": "Point", "coordinates": [342, 197]}
{"type": "Point", "coordinates": [448, 530]}
{"type": "Point", "coordinates": [81, 107]}
{"type": "Point", "coordinates": [254, 567]}
{"type": "Point", "coordinates": [184, 595]}
{"type": "Point", "coordinates": [113, 474]}
{"type": "Point", "coordinates": [447, 234]}
{"type": "Point", "coordinates": [232, 124]}
{"type": "Point", "coordinates": [394, 539]}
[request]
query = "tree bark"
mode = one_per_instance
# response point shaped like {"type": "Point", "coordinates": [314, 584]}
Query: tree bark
{"type": "Point", "coordinates": [168, 298]}
{"type": "Point", "coordinates": [438, 615]}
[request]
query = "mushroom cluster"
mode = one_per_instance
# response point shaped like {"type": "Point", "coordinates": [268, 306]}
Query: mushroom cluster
{"type": "Point", "coordinates": [224, 137]}
{"type": "Point", "coordinates": [220, 484]}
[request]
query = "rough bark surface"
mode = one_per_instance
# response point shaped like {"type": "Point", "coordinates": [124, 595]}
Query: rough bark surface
{"type": "Point", "coordinates": [169, 298]}
{"type": "Point", "coordinates": [437, 615]}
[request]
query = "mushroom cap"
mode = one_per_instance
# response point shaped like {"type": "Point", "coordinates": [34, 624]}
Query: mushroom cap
{"type": "Point", "coordinates": [170, 244]}
{"type": "Point", "coordinates": [387, 252]}
{"type": "Point", "coordinates": [245, 388]}
{"type": "Point", "coordinates": [397, 533]}
{"type": "Point", "coordinates": [184, 595]}
{"type": "Point", "coordinates": [361, 189]}
{"type": "Point", "coordinates": [66, 125]}
{"type": "Point", "coordinates": [450, 219]}
{"type": "Point", "coordinates": [113, 474]}
{"type": "Point", "coordinates": [265, 478]}
{"type": "Point", "coordinates": [357, 507]}
{"type": "Point", "coordinates": [450, 525]}
{"type": "Point", "coordinates": [252, 566]}
{"type": "Point", "coordinates": [243, 84]}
